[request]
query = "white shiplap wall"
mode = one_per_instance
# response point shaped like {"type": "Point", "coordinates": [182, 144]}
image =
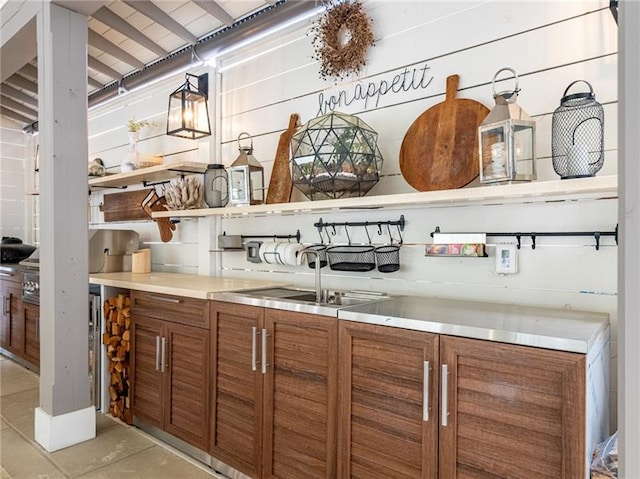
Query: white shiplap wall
{"type": "Point", "coordinates": [13, 201]}
{"type": "Point", "coordinates": [108, 140]}
{"type": "Point", "coordinates": [550, 44]}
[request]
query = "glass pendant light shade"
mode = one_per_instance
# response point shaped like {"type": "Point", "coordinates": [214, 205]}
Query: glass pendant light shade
{"type": "Point", "coordinates": [188, 115]}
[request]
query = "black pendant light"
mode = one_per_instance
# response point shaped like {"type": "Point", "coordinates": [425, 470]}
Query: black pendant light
{"type": "Point", "coordinates": [188, 115]}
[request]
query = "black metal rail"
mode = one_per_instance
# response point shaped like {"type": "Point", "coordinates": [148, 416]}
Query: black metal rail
{"type": "Point", "coordinates": [533, 235]}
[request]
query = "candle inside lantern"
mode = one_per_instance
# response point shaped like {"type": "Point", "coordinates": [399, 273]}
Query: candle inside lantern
{"type": "Point", "coordinates": [578, 160]}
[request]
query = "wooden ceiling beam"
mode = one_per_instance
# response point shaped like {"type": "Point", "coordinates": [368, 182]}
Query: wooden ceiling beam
{"type": "Point", "coordinates": [15, 116]}
{"type": "Point", "coordinates": [17, 106]}
{"type": "Point", "coordinates": [21, 82]}
{"type": "Point", "coordinates": [10, 92]}
{"type": "Point", "coordinates": [112, 20]}
{"type": "Point", "coordinates": [100, 67]}
{"type": "Point", "coordinates": [212, 8]}
{"type": "Point", "coordinates": [94, 83]}
{"type": "Point", "coordinates": [29, 71]}
{"type": "Point", "coordinates": [158, 15]}
{"type": "Point", "coordinates": [101, 43]}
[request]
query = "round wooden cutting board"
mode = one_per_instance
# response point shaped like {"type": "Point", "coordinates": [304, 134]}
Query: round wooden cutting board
{"type": "Point", "coordinates": [440, 149]}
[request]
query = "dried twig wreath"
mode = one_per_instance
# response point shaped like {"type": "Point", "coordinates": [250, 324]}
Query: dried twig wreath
{"type": "Point", "coordinates": [343, 35]}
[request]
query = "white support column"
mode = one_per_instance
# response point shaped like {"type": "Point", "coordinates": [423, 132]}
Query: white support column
{"type": "Point", "coordinates": [65, 416]}
{"type": "Point", "coordinates": [629, 254]}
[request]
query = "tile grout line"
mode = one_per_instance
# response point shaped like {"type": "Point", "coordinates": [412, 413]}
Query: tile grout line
{"type": "Point", "coordinates": [37, 447]}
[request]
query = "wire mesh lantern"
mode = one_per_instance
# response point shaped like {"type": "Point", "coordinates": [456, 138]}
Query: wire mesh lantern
{"type": "Point", "coordinates": [335, 156]}
{"type": "Point", "coordinates": [577, 134]}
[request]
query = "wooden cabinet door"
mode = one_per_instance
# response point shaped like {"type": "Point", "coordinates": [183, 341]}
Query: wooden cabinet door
{"type": "Point", "coordinates": [236, 415]}
{"type": "Point", "coordinates": [300, 396]}
{"type": "Point", "coordinates": [5, 315]}
{"type": "Point", "coordinates": [16, 342]}
{"type": "Point", "coordinates": [388, 410]}
{"type": "Point", "coordinates": [186, 407]}
{"type": "Point", "coordinates": [513, 411]}
{"type": "Point", "coordinates": [32, 333]}
{"type": "Point", "coordinates": [11, 319]}
{"type": "Point", "coordinates": [146, 393]}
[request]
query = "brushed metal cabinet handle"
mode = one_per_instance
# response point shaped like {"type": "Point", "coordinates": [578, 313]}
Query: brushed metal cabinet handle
{"type": "Point", "coordinates": [165, 300]}
{"type": "Point", "coordinates": [445, 395]}
{"type": "Point", "coordinates": [425, 391]}
{"type": "Point", "coordinates": [264, 351]}
{"type": "Point", "coordinates": [164, 354]}
{"type": "Point", "coordinates": [254, 345]}
{"type": "Point", "coordinates": [4, 305]}
{"type": "Point", "coordinates": [157, 353]}
{"type": "Point", "coordinates": [38, 329]}
{"type": "Point", "coordinates": [7, 275]}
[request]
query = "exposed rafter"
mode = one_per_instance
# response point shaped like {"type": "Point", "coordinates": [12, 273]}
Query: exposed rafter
{"type": "Point", "coordinates": [10, 92]}
{"type": "Point", "coordinates": [15, 116]}
{"type": "Point", "coordinates": [19, 107]}
{"type": "Point", "coordinates": [21, 82]}
{"type": "Point", "coordinates": [149, 10]}
{"type": "Point", "coordinates": [93, 83]}
{"type": "Point", "coordinates": [29, 71]}
{"type": "Point", "coordinates": [216, 10]}
{"type": "Point", "coordinates": [99, 42]}
{"type": "Point", "coordinates": [100, 67]}
{"type": "Point", "coordinates": [112, 20]}
{"type": "Point", "coordinates": [151, 51]}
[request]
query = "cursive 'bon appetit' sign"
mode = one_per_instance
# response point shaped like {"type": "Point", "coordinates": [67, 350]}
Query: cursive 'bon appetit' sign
{"type": "Point", "coordinates": [370, 93]}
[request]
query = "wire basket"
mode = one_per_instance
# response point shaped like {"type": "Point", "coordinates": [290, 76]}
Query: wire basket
{"type": "Point", "coordinates": [388, 258]}
{"type": "Point", "coordinates": [351, 258]}
{"type": "Point", "coordinates": [322, 256]}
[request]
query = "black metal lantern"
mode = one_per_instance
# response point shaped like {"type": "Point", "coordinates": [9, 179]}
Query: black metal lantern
{"type": "Point", "coordinates": [188, 115]}
{"type": "Point", "coordinates": [577, 134]}
{"type": "Point", "coordinates": [335, 156]}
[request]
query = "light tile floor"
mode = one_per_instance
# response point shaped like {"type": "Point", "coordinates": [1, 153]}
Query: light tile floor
{"type": "Point", "coordinates": [118, 451]}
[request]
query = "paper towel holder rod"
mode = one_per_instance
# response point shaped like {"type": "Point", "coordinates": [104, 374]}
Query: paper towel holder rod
{"type": "Point", "coordinates": [295, 236]}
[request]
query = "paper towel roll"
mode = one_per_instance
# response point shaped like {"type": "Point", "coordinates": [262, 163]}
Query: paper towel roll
{"type": "Point", "coordinates": [283, 253]}
{"type": "Point", "coordinates": [292, 255]}
{"type": "Point", "coordinates": [270, 252]}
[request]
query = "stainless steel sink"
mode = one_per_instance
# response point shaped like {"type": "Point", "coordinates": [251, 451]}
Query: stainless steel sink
{"type": "Point", "coordinates": [303, 300]}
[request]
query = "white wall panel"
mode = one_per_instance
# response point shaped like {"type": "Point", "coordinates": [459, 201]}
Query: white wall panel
{"type": "Point", "coordinates": [13, 151]}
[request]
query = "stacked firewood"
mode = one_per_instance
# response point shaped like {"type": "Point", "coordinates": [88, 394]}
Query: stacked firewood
{"type": "Point", "coordinates": [117, 339]}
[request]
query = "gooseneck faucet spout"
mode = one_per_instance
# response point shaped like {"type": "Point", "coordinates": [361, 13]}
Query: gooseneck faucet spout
{"type": "Point", "coordinates": [317, 268]}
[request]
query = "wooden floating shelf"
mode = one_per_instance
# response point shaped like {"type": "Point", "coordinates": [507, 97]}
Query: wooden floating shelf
{"type": "Point", "coordinates": [152, 174]}
{"type": "Point", "coordinates": [535, 192]}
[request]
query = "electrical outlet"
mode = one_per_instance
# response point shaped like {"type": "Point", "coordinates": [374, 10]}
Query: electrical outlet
{"type": "Point", "coordinates": [506, 259]}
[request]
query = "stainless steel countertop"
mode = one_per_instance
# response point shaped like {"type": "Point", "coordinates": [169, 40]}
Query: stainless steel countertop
{"type": "Point", "coordinates": [239, 297]}
{"type": "Point", "coordinates": [564, 330]}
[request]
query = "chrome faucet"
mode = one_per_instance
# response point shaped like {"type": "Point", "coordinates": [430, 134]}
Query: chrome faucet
{"type": "Point", "coordinates": [309, 251]}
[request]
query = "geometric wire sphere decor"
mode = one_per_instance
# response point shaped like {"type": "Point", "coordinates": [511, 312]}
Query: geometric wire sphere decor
{"type": "Point", "coordinates": [335, 156]}
{"type": "Point", "coordinates": [577, 134]}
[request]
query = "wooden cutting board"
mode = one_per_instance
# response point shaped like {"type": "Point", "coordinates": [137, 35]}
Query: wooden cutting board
{"type": "Point", "coordinates": [440, 149]}
{"type": "Point", "coordinates": [280, 184]}
{"type": "Point", "coordinates": [125, 206]}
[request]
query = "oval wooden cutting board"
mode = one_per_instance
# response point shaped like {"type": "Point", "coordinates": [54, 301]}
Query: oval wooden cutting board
{"type": "Point", "coordinates": [440, 149]}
